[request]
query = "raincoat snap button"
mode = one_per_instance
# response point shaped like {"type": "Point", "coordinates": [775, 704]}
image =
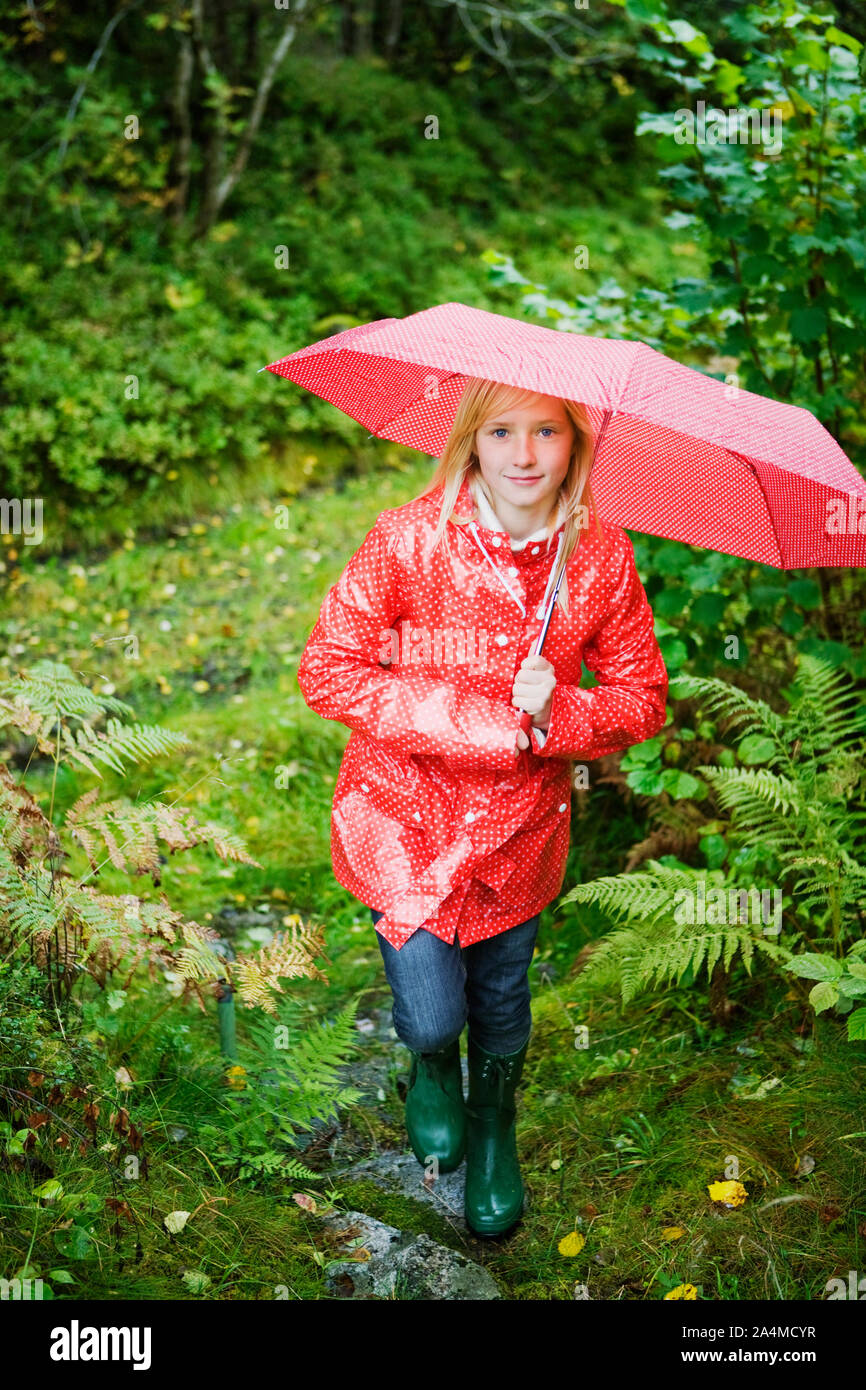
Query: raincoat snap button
{"type": "Point", "coordinates": [564, 806]}
{"type": "Point", "coordinates": [496, 540]}
{"type": "Point", "coordinates": [416, 815]}
{"type": "Point", "coordinates": [501, 639]}
{"type": "Point", "coordinates": [535, 549]}
{"type": "Point", "coordinates": [512, 570]}
{"type": "Point", "coordinates": [364, 787]}
{"type": "Point", "coordinates": [470, 816]}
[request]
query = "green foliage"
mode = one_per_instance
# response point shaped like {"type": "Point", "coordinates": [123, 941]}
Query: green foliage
{"type": "Point", "coordinates": [289, 1080]}
{"type": "Point", "coordinates": [130, 350]}
{"type": "Point", "coordinates": [66, 926]}
{"type": "Point", "coordinates": [798, 822]}
{"type": "Point", "coordinates": [657, 942]}
{"type": "Point", "coordinates": [805, 812]}
{"type": "Point", "coordinates": [642, 765]}
{"type": "Point", "coordinates": [779, 215]}
{"type": "Point", "coordinates": [839, 984]}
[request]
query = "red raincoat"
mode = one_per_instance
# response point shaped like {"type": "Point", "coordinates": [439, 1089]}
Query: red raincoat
{"type": "Point", "coordinates": [438, 822]}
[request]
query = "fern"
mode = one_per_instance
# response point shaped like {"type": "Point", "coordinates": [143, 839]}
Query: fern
{"type": "Point", "coordinates": [142, 827]}
{"type": "Point", "coordinates": [290, 954]}
{"type": "Point", "coordinates": [729, 702]}
{"type": "Point", "coordinates": [654, 948]}
{"type": "Point", "coordinates": [67, 927]}
{"type": "Point", "coordinates": [753, 789]}
{"type": "Point", "coordinates": [271, 1164]}
{"type": "Point", "coordinates": [51, 688]}
{"type": "Point", "coordinates": [286, 1089]}
{"type": "Point", "coordinates": [802, 814]}
{"type": "Point", "coordinates": [642, 895]}
{"type": "Point", "coordinates": [134, 743]}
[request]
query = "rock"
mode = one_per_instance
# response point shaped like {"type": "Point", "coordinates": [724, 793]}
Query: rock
{"type": "Point", "coordinates": [414, 1266]}
{"type": "Point", "coordinates": [236, 919]}
{"type": "Point", "coordinates": [398, 1171]}
{"type": "Point", "coordinates": [433, 1271]}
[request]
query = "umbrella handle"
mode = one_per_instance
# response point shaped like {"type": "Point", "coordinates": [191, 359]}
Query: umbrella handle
{"type": "Point", "coordinates": [525, 724]}
{"type": "Point", "coordinates": [525, 718]}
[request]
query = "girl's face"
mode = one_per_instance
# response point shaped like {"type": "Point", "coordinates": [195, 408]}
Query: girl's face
{"type": "Point", "coordinates": [523, 456]}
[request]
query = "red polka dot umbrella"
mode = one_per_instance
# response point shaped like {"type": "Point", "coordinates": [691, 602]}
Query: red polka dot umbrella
{"type": "Point", "coordinates": [678, 454]}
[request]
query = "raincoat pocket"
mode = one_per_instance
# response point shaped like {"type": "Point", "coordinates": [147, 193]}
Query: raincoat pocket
{"type": "Point", "coordinates": [495, 869]}
{"type": "Point", "coordinates": [389, 782]}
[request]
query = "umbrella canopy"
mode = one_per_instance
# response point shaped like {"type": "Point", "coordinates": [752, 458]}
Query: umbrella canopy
{"type": "Point", "coordinates": [678, 453]}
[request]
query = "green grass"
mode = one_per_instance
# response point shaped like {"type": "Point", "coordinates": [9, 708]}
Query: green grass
{"type": "Point", "coordinates": [619, 1140]}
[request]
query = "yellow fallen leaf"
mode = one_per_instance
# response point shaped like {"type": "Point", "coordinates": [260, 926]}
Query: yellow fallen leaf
{"type": "Point", "coordinates": [732, 1194]}
{"type": "Point", "coordinates": [673, 1232]}
{"type": "Point", "coordinates": [572, 1244]}
{"type": "Point", "coordinates": [304, 1200]}
{"type": "Point", "coordinates": [682, 1291]}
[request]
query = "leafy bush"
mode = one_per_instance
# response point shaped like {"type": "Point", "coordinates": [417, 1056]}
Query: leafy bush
{"type": "Point", "coordinates": [287, 1079]}
{"type": "Point", "coordinates": [791, 822]}
{"type": "Point", "coordinates": [63, 924]}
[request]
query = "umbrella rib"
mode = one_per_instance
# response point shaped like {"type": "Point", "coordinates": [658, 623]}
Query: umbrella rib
{"type": "Point", "coordinates": [392, 419]}
{"type": "Point", "coordinates": [748, 462]}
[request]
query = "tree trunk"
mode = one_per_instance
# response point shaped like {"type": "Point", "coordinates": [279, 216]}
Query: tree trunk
{"type": "Point", "coordinates": [222, 50]}
{"type": "Point", "coordinates": [218, 185]}
{"type": "Point", "coordinates": [215, 149]}
{"type": "Point", "coordinates": [364, 29]}
{"type": "Point", "coordinates": [721, 1007]}
{"type": "Point", "coordinates": [251, 39]}
{"type": "Point", "coordinates": [348, 27]}
{"type": "Point", "coordinates": [393, 26]}
{"type": "Point", "coordinates": [181, 126]}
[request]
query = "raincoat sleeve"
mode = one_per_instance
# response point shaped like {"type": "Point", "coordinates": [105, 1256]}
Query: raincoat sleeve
{"type": "Point", "coordinates": [405, 710]}
{"type": "Point", "coordinates": [628, 703]}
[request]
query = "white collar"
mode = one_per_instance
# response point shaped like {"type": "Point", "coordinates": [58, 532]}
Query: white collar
{"type": "Point", "coordinates": [491, 521]}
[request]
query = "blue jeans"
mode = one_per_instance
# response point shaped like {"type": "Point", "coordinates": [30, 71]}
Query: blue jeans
{"type": "Point", "coordinates": [439, 986]}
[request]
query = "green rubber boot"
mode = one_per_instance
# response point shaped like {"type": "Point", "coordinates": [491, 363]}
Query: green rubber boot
{"type": "Point", "coordinates": [435, 1109]}
{"type": "Point", "coordinates": [494, 1188]}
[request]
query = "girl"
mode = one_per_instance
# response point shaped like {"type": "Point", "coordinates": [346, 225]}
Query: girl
{"type": "Point", "coordinates": [449, 821]}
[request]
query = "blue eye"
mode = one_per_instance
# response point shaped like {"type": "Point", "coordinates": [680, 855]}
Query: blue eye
{"type": "Point", "coordinates": [500, 429]}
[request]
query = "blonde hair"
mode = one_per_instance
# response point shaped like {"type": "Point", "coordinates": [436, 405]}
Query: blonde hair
{"type": "Point", "coordinates": [482, 400]}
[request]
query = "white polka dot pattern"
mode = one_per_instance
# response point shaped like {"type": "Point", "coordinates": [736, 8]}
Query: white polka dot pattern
{"type": "Point", "coordinates": [684, 456]}
{"type": "Point", "coordinates": [438, 821]}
